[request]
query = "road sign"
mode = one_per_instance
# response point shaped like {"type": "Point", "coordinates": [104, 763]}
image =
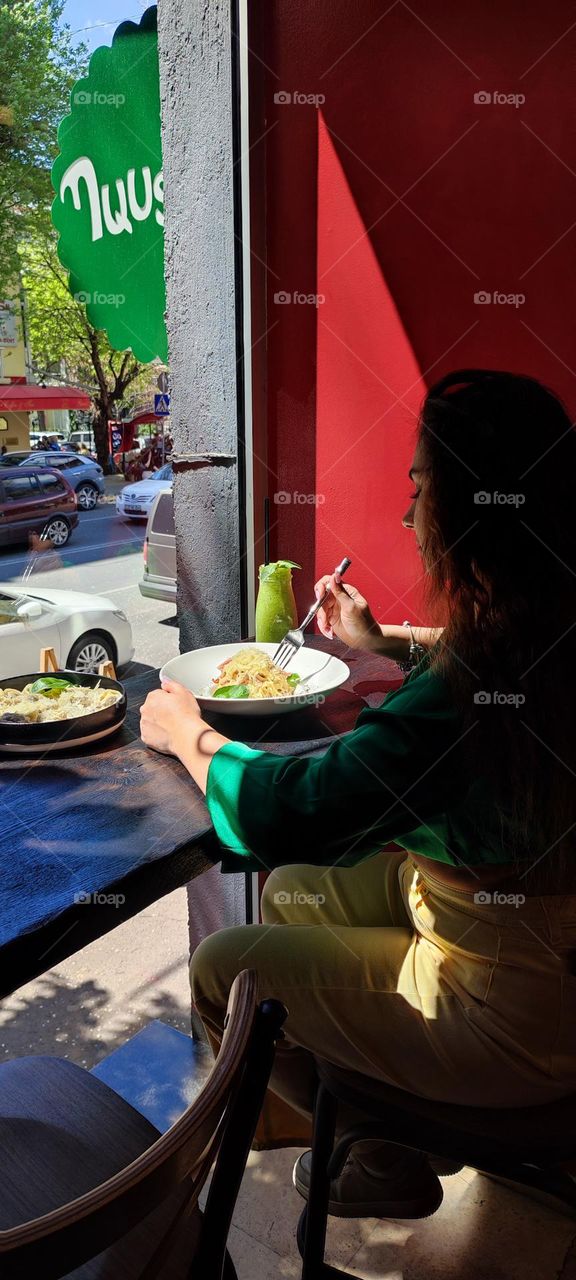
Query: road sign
{"type": "Point", "coordinates": [162, 382]}
{"type": "Point", "coordinates": [162, 405]}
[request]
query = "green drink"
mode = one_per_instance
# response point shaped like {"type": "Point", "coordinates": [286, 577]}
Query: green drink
{"type": "Point", "coordinates": [275, 606]}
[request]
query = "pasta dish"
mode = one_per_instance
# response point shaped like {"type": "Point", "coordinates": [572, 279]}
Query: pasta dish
{"type": "Point", "coordinates": [250, 673]}
{"type": "Point", "coordinates": [52, 698]}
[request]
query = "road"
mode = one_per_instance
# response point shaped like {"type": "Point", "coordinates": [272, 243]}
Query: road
{"type": "Point", "coordinates": [104, 557]}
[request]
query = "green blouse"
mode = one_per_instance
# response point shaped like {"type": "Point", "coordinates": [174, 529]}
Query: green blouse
{"type": "Point", "coordinates": [398, 776]}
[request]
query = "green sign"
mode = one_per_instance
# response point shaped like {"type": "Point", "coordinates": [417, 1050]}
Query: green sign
{"type": "Point", "coordinates": [109, 206]}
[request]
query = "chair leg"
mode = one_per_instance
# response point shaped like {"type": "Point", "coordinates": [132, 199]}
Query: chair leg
{"type": "Point", "coordinates": [314, 1219]}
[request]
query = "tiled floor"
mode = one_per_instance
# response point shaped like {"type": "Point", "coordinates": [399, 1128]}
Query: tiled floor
{"type": "Point", "coordinates": [101, 996]}
{"type": "Point", "coordinates": [481, 1232]}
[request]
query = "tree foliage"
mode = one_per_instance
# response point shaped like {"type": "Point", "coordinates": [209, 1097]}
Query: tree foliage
{"type": "Point", "coordinates": [65, 345]}
{"type": "Point", "coordinates": [39, 67]}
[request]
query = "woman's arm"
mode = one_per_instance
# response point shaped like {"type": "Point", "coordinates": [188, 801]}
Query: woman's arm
{"type": "Point", "coordinates": [171, 722]}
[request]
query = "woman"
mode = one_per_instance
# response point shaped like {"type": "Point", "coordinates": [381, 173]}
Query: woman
{"type": "Point", "coordinates": [448, 968]}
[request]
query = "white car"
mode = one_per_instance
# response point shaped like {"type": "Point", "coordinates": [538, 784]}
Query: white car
{"type": "Point", "coordinates": [84, 630]}
{"type": "Point", "coordinates": [135, 500]}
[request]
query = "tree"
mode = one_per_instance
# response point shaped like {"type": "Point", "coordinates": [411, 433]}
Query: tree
{"type": "Point", "coordinates": [65, 345]}
{"type": "Point", "coordinates": [39, 67]}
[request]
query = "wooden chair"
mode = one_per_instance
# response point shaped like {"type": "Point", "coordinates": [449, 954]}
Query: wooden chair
{"type": "Point", "coordinates": [91, 1190]}
{"type": "Point", "coordinates": [531, 1147]}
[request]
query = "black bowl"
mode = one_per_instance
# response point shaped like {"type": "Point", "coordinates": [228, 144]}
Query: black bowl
{"type": "Point", "coordinates": [56, 735]}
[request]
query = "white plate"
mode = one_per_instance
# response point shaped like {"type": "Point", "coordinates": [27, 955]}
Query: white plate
{"type": "Point", "coordinates": [322, 673]}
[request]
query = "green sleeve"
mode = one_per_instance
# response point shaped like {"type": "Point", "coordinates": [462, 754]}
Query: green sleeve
{"type": "Point", "coordinates": [394, 774]}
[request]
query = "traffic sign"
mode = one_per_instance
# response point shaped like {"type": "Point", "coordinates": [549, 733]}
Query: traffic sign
{"type": "Point", "coordinates": [162, 382]}
{"type": "Point", "coordinates": [162, 405]}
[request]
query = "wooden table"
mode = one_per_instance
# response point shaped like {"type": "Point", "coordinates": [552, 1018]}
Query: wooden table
{"type": "Point", "coordinates": [91, 836]}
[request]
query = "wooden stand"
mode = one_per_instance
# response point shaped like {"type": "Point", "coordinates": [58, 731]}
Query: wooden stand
{"type": "Point", "coordinates": [49, 662]}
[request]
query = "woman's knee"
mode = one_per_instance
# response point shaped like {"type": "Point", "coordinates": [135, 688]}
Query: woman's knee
{"type": "Point", "coordinates": [215, 963]}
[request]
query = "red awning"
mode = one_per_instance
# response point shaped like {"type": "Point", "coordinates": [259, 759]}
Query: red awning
{"type": "Point", "coordinates": [22, 397]}
{"type": "Point", "coordinates": [147, 416]}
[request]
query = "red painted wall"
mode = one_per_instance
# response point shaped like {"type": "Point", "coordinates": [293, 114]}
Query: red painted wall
{"type": "Point", "coordinates": [397, 199]}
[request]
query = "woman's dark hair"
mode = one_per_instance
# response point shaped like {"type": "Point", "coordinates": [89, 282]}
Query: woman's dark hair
{"type": "Point", "coordinates": [500, 551]}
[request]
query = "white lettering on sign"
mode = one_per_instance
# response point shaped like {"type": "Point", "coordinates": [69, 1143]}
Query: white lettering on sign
{"type": "Point", "coordinates": [101, 213]}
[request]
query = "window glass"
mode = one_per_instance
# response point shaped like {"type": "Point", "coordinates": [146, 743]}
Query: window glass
{"type": "Point", "coordinates": [165, 473]}
{"type": "Point", "coordinates": [65, 463]}
{"type": "Point", "coordinates": [51, 484]}
{"type": "Point", "coordinates": [18, 488]}
{"type": "Point", "coordinates": [163, 520]}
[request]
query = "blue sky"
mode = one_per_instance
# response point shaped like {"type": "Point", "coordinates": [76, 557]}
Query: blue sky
{"type": "Point", "coordinates": [96, 20]}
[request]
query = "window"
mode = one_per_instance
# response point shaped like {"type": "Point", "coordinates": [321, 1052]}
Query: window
{"type": "Point", "coordinates": [163, 520]}
{"type": "Point", "coordinates": [51, 484]}
{"type": "Point", "coordinates": [65, 463]}
{"type": "Point", "coordinates": [19, 488]}
{"type": "Point", "coordinates": [165, 473]}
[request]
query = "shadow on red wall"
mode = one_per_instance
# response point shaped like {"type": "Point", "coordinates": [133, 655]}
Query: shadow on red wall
{"type": "Point", "coordinates": [418, 176]}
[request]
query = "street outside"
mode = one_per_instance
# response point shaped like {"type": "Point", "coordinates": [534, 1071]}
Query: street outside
{"type": "Point", "coordinates": [105, 556]}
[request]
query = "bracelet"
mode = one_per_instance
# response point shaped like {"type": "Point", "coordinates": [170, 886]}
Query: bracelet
{"type": "Point", "coordinates": [415, 653]}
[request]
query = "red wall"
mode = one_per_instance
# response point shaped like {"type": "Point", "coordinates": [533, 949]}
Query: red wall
{"type": "Point", "coordinates": [397, 199]}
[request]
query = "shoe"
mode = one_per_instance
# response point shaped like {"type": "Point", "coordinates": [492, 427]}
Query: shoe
{"type": "Point", "coordinates": [443, 1167]}
{"type": "Point", "coordinates": [408, 1189]}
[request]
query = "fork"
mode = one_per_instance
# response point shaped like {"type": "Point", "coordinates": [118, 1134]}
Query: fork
{"type": "Point", "coordinates": [294, 639]}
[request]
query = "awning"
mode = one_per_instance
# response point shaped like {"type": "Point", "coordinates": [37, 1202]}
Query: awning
{"type": "Point", "coordinates": [147, 416]}
{"type": "Point", "coordinates": [22, 397]}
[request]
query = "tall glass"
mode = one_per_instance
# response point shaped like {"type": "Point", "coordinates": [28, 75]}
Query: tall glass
{"type": "Point", "coordinates": [275, 606]}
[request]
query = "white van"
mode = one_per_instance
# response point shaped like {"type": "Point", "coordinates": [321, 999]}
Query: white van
{"type": "Point", "coordinates": [159, 577]}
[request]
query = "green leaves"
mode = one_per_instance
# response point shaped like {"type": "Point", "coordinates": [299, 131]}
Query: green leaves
{"type": "Point", "coordinates": [232, 691]}
{"type": "Point", "coordinates": [268, 571]}
{"type": "Point", "coordinates": [293, 679]}
{"type": "Point", "coordinates": [50, 686]}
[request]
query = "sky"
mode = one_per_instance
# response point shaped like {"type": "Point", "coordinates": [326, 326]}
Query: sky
{"type": "Point", "coordinates": [95, 21]}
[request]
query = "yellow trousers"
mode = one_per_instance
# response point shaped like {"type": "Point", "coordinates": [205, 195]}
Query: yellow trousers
{"type": "Point", "coordinates": [387, 971]}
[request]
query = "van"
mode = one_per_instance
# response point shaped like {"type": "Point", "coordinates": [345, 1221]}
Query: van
{"type": "Point", "coordinates": [159, 577]}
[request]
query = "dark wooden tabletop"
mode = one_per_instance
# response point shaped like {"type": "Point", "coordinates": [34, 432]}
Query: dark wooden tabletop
{"type": "Point", "coordinates": [91, 836]}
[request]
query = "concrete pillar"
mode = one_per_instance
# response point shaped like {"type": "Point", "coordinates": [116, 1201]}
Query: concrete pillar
{"type": "Point", "coordinates": [204, 323]}
{"type": "Point", "coordinates": [202, 313]}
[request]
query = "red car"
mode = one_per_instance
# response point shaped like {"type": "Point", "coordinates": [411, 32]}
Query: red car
{"type": "Point", "coordinates": [36, 501]}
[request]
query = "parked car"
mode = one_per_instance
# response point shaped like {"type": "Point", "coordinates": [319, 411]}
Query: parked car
{"type": "Point", "coordinates": [82, 437]}
{"type": "Point", "coordinates": [36, 501]}
{"type": "Point", "coordinates": [85, 475]}
{"type": "Point", "coordinates": [135, 500]}
{"type": "Point", "coordinates": [159, 577]}
{"type": "Point", "coordinates": [83, 630]}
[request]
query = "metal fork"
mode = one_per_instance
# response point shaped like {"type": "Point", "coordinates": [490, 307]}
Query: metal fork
{"type": "Point", "coordinates": [294, 639]}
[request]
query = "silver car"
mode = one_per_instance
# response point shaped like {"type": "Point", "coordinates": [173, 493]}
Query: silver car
{"type": "Point", "coordinates": [159, 578]}
{"type": "Point", "coordinates": [84, 475]}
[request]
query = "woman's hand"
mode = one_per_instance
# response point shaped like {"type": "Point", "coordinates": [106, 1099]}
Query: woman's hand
{"type": "Point", "coordinates": [346, 614]}
{"type": "Point", "coordinates": [166, 716]}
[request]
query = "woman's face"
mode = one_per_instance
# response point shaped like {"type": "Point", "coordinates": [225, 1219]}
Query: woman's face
{"type": "Point", "coordinates": [415, 517]}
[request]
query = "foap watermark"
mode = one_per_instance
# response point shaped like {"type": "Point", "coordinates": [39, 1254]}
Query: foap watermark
{"type": "Point", "coordinates": [485, 898]}
{"type": "Point", "coordinates": [297, 99]}
{"type": "Point", "coordinates": [486, 698]}
{"type": "Point", "coordinates": [495, 98]}
{"type": "Point", "coordinates": [285, 898]}
{"type": "Point", "coordinates": [83, 98]}
{"type": "Point", "coordinates": [84, 898]}
{"type": "Point", "coordinates": [284, 299]}
{"type": "Point", "coordinates": [496, 297]}
{"type": "Point", "coordinates": [482, 498]}
{"type": "Point", "coordinates": [100, 299]}
{"type": "Point", "coordinates": [283, 498]}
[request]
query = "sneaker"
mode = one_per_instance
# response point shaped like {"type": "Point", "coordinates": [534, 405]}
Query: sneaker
{"type": "Point", "coordinates": [408, 1189]}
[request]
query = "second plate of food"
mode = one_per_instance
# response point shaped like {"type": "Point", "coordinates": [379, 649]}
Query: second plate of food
{"type": "Point", "coordinates": [241, 679]}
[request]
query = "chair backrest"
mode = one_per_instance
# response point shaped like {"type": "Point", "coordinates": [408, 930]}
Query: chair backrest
{"type": "Point", "coordinates": [230, 1102]}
